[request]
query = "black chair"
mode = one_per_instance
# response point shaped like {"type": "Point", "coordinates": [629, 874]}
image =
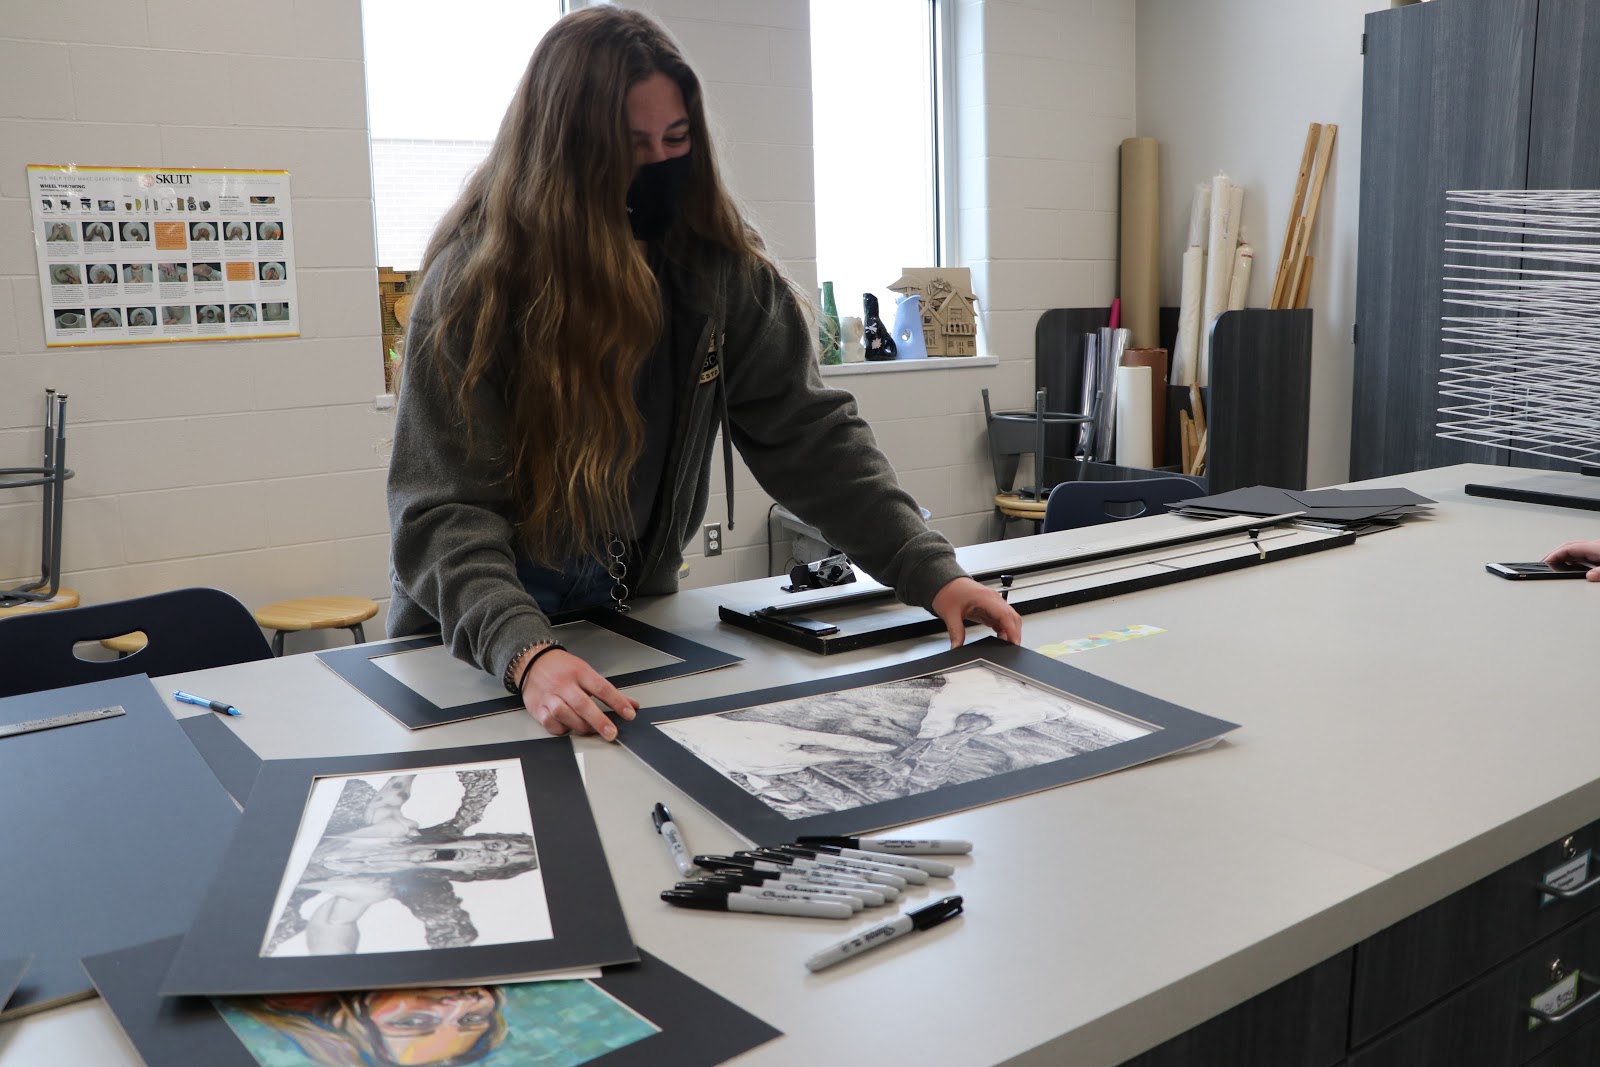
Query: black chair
{"type": "Point", "coordinates": [1012, 435]}
{"type": "Point", "coordinates": [1075, 504]}
{"type": "Point", "coordinates": [185, 630]}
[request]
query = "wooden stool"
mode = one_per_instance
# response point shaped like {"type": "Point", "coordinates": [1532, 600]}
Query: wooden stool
{"type": "Point", "coordinates": [316, 613]}
{"type": "Point", "coordinates": [64, 598]}
{"type": "Point", "coordinates": [1017, 506]}
{"type": "Point", "coordinates": [125, 645]}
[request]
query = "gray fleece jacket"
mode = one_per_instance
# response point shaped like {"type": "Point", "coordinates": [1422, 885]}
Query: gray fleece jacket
{"type": "Point", "coordinates": [752, 374]}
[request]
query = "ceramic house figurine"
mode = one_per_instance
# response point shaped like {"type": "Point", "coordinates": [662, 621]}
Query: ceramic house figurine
{"type": "Point", "coordinates": [949, 308]}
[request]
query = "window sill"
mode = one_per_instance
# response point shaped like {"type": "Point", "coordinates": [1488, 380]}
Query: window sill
{"type": "Point", "coordinates": [889, 366]}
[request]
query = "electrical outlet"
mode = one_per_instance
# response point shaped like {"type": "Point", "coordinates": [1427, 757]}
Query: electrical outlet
{"type": "Point", "coordinates": [713, 539]}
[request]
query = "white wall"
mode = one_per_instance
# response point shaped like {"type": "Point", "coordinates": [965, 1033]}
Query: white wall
{"type": "Point", "coordinates": [248, 465]}
{"type": "Point", "coordinates": [1231, 85]}
{"type": "Point", "coordinates": [257, 466]}
{"type": "Point", "coordinates": [1045, 97]}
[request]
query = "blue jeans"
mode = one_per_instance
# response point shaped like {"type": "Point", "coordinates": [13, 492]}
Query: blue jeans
{"type": "Point", "coordinates": [581, 583]}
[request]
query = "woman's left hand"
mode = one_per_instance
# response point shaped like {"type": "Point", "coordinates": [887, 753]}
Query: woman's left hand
{"type": "Point", "coordinates": [962, 599]}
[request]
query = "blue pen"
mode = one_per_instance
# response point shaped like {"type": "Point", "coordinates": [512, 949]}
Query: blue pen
{"type": "Point", "coordinates": [215, 705]}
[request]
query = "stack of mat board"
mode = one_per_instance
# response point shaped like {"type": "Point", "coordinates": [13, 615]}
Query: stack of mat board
{"type": "Point", "coordinates": [1358, 510]}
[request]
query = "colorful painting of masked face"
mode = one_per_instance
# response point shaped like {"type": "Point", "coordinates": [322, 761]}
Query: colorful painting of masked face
{"type": "Point", "coordinates": [548, 1024]}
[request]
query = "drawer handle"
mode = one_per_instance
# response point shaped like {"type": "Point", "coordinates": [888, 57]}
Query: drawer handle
{"type": "Point", "coordinates": [1571, 1009]}
{"type": "Point", "coordinates": [1568, 894]}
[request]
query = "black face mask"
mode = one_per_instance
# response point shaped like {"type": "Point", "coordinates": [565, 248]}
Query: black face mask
{"type": "Point", "coordinates": [654, 195]}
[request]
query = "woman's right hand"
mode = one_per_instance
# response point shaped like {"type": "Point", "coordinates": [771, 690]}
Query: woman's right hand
{"type": "Point", "coordinates": [560, 691]}
{"type": "Point", "coordinates": [1579, 552]}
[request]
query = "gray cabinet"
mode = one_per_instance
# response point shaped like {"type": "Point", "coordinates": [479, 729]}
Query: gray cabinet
{"type": "Point", "coordinates": [1563, 148]}
{"type": "Point", "coordinates": [1447, 103]}
{"type": "Point", "coordinates": [1444, 986]}
{"type": "Point", "coordinates": [1303, 1022]}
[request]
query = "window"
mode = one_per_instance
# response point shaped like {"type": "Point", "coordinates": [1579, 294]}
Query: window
{"type": "Point", "coordinates": [439, 77]}
{"type": "Point", "coordinates": [875, 120]}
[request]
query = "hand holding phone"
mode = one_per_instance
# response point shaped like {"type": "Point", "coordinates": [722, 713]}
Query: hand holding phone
{"type": "Point", "coordinates": [1524, 571]}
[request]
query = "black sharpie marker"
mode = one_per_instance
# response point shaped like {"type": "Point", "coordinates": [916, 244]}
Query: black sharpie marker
{"type": "Point", "coordinates": [937, 868]}
{"type": "Point", "coordinates": [913, 875]}
{"type": "Point", "coordinates": [857, 899]}
{"type": "Point", "coordinates": [676, 847]}
{"type": "Point", "coordinates": [710, 898]}
{"type": "Point", "coordinates": [883, 933]}
{"type": "Point", "coordinates": [927, 846]}
{"type": "Point", "coordinates": [787, 858]}
{"type": "Point", "coordinates": [828, 878]}
{"type": "Point", "coordinates": [765, 890]}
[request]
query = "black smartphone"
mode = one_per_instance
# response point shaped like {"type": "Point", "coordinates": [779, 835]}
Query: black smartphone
{"type": "Point", "coordinates": [1519, 571]}
{"type": "Point", "coordinates": [814, 627]}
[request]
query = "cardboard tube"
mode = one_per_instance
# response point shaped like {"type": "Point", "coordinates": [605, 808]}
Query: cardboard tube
{"type": "Point", "coordinates": [1134, 437]}
{"type": "Point", "coordinates": [1239, 286]}
{"type": "Point", "coordinates": [1186, 350]}
{"type": "Point", "coordinates": [1200, 215]}
{"type": "Point", "coordinates": [1156, 360]}
{"type": "Point", "coordinates": [1140, 273]}
{"type": "Point", "coordinates": [1227, 200]}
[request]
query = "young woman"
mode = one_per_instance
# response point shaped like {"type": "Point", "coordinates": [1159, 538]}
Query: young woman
{"type": "Point", "coordinates": [593, 310]}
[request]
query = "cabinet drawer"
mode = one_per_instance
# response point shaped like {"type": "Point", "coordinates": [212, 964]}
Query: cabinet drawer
{"type": "Point", "coordinates": [1413, 963]}
{"type": "Point", "coordinates": [1297, 1023]}
{"type": "Point", "coordinates": [1485, 1022]}
{"type": "Point", "coordinates": [1582, 1049]}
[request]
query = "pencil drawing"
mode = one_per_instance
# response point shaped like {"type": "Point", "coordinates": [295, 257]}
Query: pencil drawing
{"type": "Point", "coordinates": [835, 751]}
{"type": "Point", "coordinates": [368, 853]}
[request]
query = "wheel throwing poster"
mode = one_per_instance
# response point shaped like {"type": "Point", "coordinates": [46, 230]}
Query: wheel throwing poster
{"type": "Point", "coordinates": [131, 255]}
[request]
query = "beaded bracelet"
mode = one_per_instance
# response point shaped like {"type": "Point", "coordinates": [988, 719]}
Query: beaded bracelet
{"type": "Point", "coordinates": [508, 679]}
{"type": "Point", "coordinates": [522, 679]}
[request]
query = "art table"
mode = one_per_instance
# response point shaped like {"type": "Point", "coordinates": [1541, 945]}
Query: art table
{"type": "Point", "coordinates": [1408, 724]}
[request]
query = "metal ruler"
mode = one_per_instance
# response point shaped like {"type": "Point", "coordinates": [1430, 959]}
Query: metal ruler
{"type": "Point", "coordinates": [28, 727]}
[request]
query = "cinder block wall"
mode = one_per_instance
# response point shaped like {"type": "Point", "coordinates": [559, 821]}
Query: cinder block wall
{"type": "Point", "coordinates": [257, 466]}
{"type": "Point", "coordinates": [254, 466]}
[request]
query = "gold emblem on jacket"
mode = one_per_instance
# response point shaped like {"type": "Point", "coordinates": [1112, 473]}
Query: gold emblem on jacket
{"type": "Point", "coordinates": [710, 367]}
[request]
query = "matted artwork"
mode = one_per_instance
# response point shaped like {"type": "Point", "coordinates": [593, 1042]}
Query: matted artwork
{"type": "Point", "coordinates": [417, 681]}
{"type": "Point", "coordinates": [358, 872]}
{"type": "Point", "coordinates": [233, 762]}
{"type": "Point", "coordinates": [11, 972]}
{"type": "Point", "coordinates": [113, 827]}
{"type": "Point", "coordinates": [846, 755]}
{"type": "Point", "coordinates": [635, 1015]}
{"type": "Point", "coordinates": [453, 847]}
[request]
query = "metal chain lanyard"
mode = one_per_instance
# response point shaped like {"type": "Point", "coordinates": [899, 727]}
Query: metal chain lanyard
{"type": "Point", "coordinates": [618, 570]}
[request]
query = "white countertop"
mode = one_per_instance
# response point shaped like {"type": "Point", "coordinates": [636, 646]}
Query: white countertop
{"type": "Point", "coordinates": [1408, 724]}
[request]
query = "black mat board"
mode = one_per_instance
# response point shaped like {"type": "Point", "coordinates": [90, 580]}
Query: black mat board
{"type": "Point", "coordinates": [1352, 498]}
{"type": "Point", "coordinates": [1179, 728]}
{"type": "Point", "coordinates": [1251, 500]}
{"type": "Point", "coordinates": [1267, 500]}
{"type": "Point", "coordinates": [124, 825]}
{"type": "Point", "coordinates": [220, 954]}
{"type": "Point", "coordinates": [415, 711]}
{"type": "Point", "coordinates": [698, 1028]}
{"type": "Point", "coordinates": [11, 972]}
{"type": "Point", "coordinates": [233, 762]}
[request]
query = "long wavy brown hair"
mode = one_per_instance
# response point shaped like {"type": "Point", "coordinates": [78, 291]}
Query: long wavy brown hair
{"type": "Point", "coordinates": [546, 296]}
